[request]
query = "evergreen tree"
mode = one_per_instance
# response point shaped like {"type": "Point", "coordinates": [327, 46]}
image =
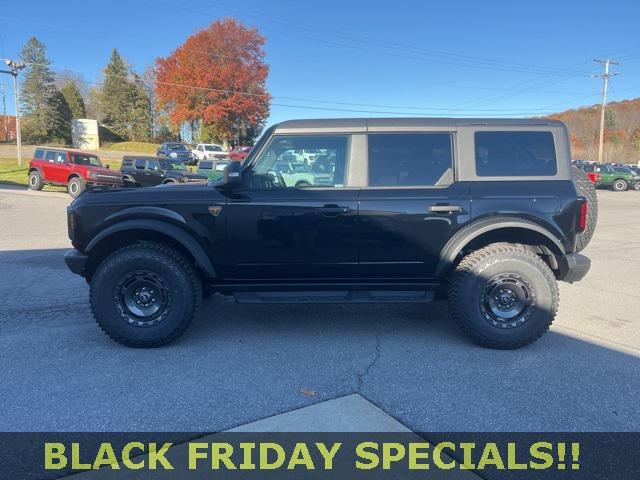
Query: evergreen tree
{"type": "Point", "coordinates": [124, 101]}
{"type": "Point", "coordinates": [60, 117]}
{"type": "Point", "coordinates": [140, 112]}
{"type": "Point", "coordinates": [74, 99]}
{"type": "Point", "coordinates": [37, 91]}
{"type": "Point", "coordinates": [115, 100]}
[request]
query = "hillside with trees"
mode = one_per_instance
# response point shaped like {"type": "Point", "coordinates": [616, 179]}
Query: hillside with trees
{"type": "Point", "coordinates": [622, 131]}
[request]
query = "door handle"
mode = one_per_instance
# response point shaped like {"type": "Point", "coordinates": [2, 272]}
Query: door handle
{"type": "Point", "coordinates": [333, 210]}
{"type": "Point", "coordinates": [445, 208]}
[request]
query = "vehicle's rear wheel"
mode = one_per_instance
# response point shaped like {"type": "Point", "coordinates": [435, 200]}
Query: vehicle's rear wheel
{"type": "Point", "coordinates": [303, 183]}
{"type": "Point", "coordinates": [620, 185]}
{"type": "Point", "coordinates": [636, 185]}
{"type": "Point", "coordinates": [75, 186]}
{"type": "Point", "coordinates": [503, 296]}
{"type": "Point", "coordinates": [145, 295]}
{"type": "Point", "coordinates": [586, 189]}
{"type": "Point", "coordinates": [35, 180]}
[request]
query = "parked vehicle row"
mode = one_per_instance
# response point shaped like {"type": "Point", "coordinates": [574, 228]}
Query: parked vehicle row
{"type": "Point", "coordinates": [76, 170]}
{"type": "Point", "coordinates": [618, 177]}
{"type": "Point", "coordinates": [72, 169]}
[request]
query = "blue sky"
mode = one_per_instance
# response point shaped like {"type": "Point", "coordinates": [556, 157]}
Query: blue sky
{"type": "Point", "coordinates": [334, 58]}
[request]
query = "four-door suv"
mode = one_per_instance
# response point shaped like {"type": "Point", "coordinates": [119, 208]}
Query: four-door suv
{"type": "Point", "coordinates": [617, 179]}
{"type": "Point", "coordinates": [151, 171]}
{"type": "Point", "coordinates": [488, 213]}
{"type": "Point", "coordinates": [73, 169]}
{"type": "Point", "coordinates": [175, 151]}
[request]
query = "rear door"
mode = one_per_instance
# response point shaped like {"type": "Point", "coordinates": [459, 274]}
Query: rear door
{"type": "Point", "coordinates": [57, 166]}
{"type": "Point", "coordinates": [411, 206]}
{"type": "Point", "coordinates": [278, 231]}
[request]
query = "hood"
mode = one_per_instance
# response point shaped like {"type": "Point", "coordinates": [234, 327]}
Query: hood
{"type": "Point", "coordinates": [160, 195]}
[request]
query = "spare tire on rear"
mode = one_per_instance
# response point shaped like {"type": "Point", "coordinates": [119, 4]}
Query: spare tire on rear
{"type": "Point", "coordinates": [586, 189]}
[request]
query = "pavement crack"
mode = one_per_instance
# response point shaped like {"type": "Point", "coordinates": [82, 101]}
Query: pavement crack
{"type": "Point", "coordinates": [378, 353]}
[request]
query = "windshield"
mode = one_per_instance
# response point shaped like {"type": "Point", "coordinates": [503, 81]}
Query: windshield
{"type": "Point", "coordinates": [87, 160]}
{"type": "Point", "coordinates": [174, 165]}
{"type": "Point", "coordinates": [213, 148]}
{"type": "Point", "coordinates": [177, 147]}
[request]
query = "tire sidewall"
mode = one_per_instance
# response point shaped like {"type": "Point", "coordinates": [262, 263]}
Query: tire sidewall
{"type": "Point", "coordinates": [104, 292]}
{"type": "Point", "coordinates": [620, 185]}
{"type": "Point", "coordinates": [477, 283]}
{"type": "Point", "coordinates": [75, 187]}
{"type": "Point", "coordinates": [35, 180]}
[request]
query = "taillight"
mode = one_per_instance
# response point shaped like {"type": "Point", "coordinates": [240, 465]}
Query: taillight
{"type": "Point", "coordinates": [582, 219]}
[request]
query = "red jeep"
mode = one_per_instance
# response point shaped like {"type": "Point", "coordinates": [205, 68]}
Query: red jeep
{"type": "Point", "coordinates": [73, 169]}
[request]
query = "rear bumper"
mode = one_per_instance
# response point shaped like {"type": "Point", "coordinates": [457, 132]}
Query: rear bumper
{"type": "Point", "coordinates": [573, 267]}
{"type": "Point", "coordinates": [76, 261]}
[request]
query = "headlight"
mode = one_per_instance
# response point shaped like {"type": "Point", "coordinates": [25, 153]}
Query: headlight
{"type": "Point", "coordinates": [173, 154]}
{"type": "Point", "coordinates": [92, 174]}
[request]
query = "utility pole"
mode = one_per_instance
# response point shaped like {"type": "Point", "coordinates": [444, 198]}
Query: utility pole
{"type": "Point", "coordinates": [4, 112]}
{"type": "Point", "coordinates": [15, 68]}
{"type": "Point", "coordinates": [608, 62]}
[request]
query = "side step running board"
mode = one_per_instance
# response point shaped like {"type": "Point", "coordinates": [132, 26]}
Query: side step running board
{"type": "Point", "coordinates": [346, 296]}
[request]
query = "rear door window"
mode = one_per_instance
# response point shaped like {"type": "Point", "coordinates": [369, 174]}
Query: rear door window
{"type": "Point", "coordinates": [410, 159]}
{"type": "Point", "coordinates": [515, 154]}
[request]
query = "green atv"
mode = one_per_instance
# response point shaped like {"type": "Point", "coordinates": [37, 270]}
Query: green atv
{"type": "Point", "coordinates": [618, 179]}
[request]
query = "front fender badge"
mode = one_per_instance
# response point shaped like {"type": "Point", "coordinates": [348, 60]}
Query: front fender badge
{"type": "Point", "coordinates": [215, 210]}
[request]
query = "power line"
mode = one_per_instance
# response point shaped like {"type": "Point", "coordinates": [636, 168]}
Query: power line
{"type": "Point", "coordinates": [236, 92]}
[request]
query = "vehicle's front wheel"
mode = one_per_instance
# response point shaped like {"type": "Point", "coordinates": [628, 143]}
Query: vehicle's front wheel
{"type": "Point", "coordinates": [503, 296]}
{"type": "Point", "coordinates": [75, 186]}
{"type": "Point", "coordinates": [35, 180]}
{"type": "Point", "coordinates": [620, 185]}
{"type": "Point", "coordinates": [145, 295]}
{"type": "Point", "coordinates": [636, 185]}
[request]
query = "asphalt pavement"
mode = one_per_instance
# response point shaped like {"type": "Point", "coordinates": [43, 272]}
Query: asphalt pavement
{"type": "Point", "coordinates": [242, 363]}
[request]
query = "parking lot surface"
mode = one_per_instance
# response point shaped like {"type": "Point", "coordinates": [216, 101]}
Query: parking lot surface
{"type": "Point", "coordinates": [241, 363]}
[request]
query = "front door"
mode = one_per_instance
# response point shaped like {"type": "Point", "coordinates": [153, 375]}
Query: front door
{"type": "Point", "coordinates": [412, 204]}
{"type": "Point", "coordinates": [277, 230]}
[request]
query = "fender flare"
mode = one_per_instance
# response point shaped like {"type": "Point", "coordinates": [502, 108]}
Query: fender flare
{"type": "Point", "coordinates": [179, 235]}
{"type": "Point", "coordinates": [463, 237]}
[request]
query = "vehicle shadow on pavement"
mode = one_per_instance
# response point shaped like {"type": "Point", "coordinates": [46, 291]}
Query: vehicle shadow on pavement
{"type": "Point", "coordinates": [241, 363]}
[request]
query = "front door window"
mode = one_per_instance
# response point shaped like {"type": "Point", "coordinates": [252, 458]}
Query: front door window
{"type": "Point", "coordinates": [286, 162]}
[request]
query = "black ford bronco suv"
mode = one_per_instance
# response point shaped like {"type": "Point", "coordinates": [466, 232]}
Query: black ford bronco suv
{"type": "Point", "coordinates": [487, 213]}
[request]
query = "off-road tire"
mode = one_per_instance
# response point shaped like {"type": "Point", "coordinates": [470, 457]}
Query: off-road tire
{"type": "Point", "coordinates": [76, 186]}
{"type": "Point", "coordinates": [586, 189]}
{"type": "Point", "coordinates": [620, 185]}
{"type": "Point", "coordinates": [184, 294]}
{"type": "Point", "coordinates": [636, 185]}
{"type": "Point", "coordinates": [471, 280]}
{"type": "Point", "coordinates": [36, 182]}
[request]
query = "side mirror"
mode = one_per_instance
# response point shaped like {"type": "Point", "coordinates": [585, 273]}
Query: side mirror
{"type": "Point", "coordinates": [108, 167]}
{"type": "Point", "coordinates": [233, 173]}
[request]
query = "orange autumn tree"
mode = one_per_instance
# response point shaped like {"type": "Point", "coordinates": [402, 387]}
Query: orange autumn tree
{"type": "Point", "coordinates": [217, 77]}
